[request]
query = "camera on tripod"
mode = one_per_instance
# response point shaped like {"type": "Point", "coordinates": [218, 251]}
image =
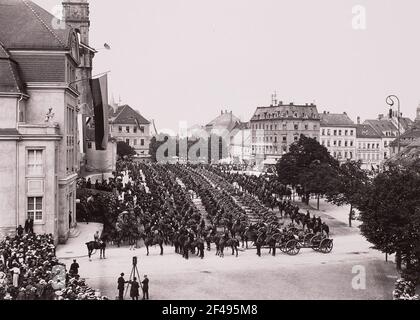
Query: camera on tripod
{"type": "Point", "coordinates": [134, 261]}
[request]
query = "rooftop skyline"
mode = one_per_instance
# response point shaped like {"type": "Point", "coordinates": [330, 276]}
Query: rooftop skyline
{"type": "Point", "coordinates": [186, 60]}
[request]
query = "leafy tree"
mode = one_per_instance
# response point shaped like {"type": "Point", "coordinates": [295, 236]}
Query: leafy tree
{"type": "Point", "coordinates": [349, 186]}
{"type": "Point", "coordinates": [320, 179]}
{"type": "Point", "coordinates": [390, 211]}
{"type": "Point", "coordinates": [123, 149]}
{"type": "Point", "coordinates": [308, 166]}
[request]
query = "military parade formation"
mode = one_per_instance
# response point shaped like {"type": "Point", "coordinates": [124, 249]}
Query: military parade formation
{"type": "Point", "coordinates": [197, 207]}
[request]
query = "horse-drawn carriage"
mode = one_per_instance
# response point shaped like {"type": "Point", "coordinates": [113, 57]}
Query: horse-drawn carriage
{"type": "Point", "coordinates": [318, 243]}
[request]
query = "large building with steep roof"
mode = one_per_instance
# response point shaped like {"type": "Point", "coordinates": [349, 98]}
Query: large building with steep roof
{"type": "Point", "coordinates": [39, 103]}
{"type": "Point", "coordinates": [276, 127]}
{"type": "Point", "coordinates": [128, 125]}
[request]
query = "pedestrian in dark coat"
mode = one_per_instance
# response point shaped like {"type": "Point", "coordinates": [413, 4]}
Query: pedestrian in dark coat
{"type": "Point", "coordinates": [134, 291]}
{"type": "Point", "coordinates": [20, 231]}
{"type": "Point", "coordinates": [145, 287]}
{"type": "Point", "coordinates": [121, 286]}
{"type": "Point", "coordinates": [31, 226]}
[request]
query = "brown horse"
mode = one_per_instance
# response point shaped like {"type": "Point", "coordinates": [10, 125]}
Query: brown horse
{"type": "Point", "coordinates": [92, 246]}
{"type": "Point", "coordinates": [152, 240]}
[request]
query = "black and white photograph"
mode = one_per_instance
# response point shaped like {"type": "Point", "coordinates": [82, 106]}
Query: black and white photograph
{"type": "Point", "coordinates": [175, 151]}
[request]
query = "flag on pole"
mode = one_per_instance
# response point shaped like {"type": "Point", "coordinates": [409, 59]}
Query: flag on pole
{"type": "Point", "coordinates": [99, 87]}
{"type": "Point", "coordinates": [82, 132]}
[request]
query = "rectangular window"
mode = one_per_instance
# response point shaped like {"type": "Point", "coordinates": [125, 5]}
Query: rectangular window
{"type": "Point", "coordinates": [127, 141]}
{"type": "Point", "coordinates": [71, 134]}
{"type": "Point", "coordinates": [89, 145]}
{"type": "Point", "coordinates": [35, 163]}
{"type": "Point", "coordinates": [351, 132]}
{"type": "Point", "coordinates": [127, 129]}
{"type": "Point", "coordinates": [35, 208]}
{"type": "Point", "coordinates": [296, 127]}
{"type": "Point", "coordinates": [346, 132]}
{"type": "Point", "coordinates": [323, 132]}
{"type": "Point", "coordinates": [120, 129]}
{"type": "Point", "coordinates": [135, 129]}
{"type": "Point", "coordinates": [335, 132]}
{"type": "Point", "coordinates": [142, 142]}
{"type": "Point", "coordinates": [142, 129]}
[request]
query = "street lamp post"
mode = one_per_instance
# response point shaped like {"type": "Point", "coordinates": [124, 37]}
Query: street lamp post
{"type": "Point", "coordinates": [391, 100]}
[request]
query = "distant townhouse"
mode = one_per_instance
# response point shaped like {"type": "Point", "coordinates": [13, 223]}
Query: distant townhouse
{"type": "Point", "coordinates": [338, 135]}
{"type": "Point", "coordinates": [387, 128]}
{"type": "Point", "coordinates": [408, 137]}
{"type": "Point", "coordinates": [128, 125]}
{"type": "Point", "coordinates": [368, 147]}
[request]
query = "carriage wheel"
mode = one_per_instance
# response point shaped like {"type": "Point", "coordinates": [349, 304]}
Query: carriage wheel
{"type": "Point", "coordinates": [292, 248]}
{"type": "Point", "coordinates": [283, 247]}
{"type": "Point", "coordinates": [308, 238]}
{"type": "Point", "coordinates": [326, 246]}
{"type": "Point", "coordinates": [315, 243]}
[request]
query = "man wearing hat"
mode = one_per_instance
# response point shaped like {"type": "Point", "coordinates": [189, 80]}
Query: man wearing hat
{"type": "Point", "coordinates": [145, 287]}
{"type": "Point", "coordinates": [121, 286]}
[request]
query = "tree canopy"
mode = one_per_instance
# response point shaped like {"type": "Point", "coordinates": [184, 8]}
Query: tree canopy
{"type": "Point", "coordinates": [123, 149]}
{"type": "Point", "coordinates": [390, 211]}
{"type": "Point", "coordinates": [349, 186]}
{"type": "Point", "coordinates": [309, 166]}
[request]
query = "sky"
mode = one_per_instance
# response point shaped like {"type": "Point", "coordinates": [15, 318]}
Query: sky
{"type": "Point", "coordinates": [186, 60]}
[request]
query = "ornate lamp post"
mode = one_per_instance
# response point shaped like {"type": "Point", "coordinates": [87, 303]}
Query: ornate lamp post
{"type": "Point", "coordinates": [391, 100]}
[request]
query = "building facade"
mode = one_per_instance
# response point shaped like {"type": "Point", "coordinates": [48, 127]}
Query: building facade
{"type": "Point", "coordinates": [128, 125]}
{"type": "Point", "coordinates": [38, 126]}
{"type": "Point", "coordinates": [276, 127]}
{"type": "Point", "coordinates": [408, 137]}
{"type": "Point", "coordinates": [368, 147]}
{"type": "Point", "coordinates": [338, 135]}
{"type": "Point", "coordinates": [240, 145]}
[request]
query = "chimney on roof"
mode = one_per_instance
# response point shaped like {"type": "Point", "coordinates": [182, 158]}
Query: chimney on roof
{"type": "Point", "coordinates": [380, 117]}
{"type": "Point", "coordinates": [280, 103]}
{"type": "Point", "coordinates": [325, 112]}
{"type": "Point", "coordinates": [345, 113]}
{"type": "Point", "coordinates": [358, 120]}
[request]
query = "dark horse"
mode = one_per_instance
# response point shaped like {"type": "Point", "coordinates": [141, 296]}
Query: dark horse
{"type": "Point", "coordinates": [96, 245]}
{"type": "Point", "coordinates": [151, 240]}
